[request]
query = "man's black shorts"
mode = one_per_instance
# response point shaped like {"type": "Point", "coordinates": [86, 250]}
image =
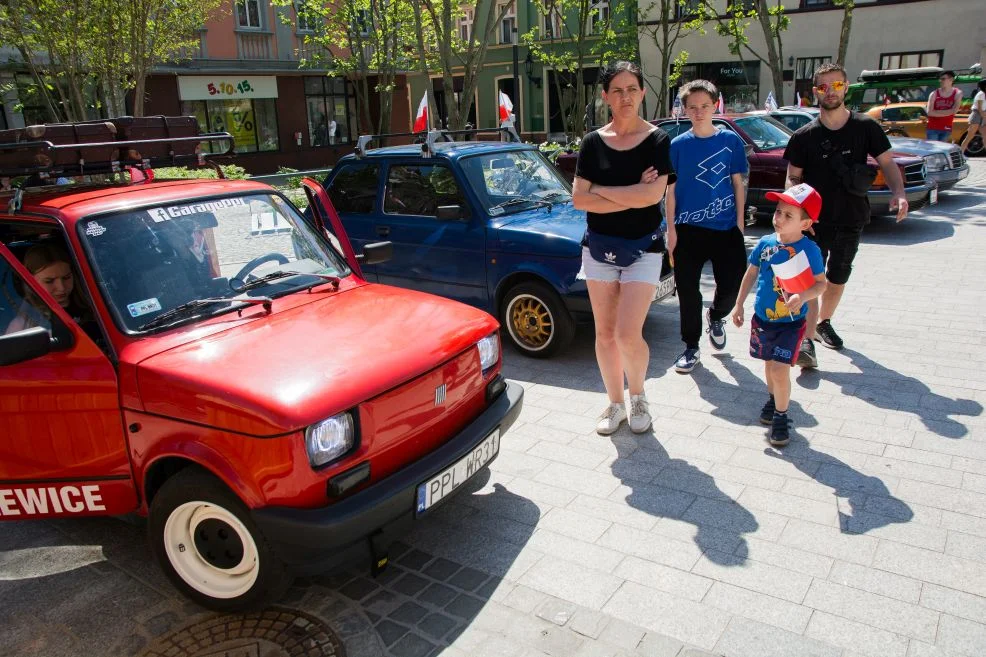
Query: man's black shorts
{"type": "Point", "coordinates": [838, 245]}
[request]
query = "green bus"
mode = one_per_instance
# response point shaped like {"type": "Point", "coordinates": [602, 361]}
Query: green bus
{"type": "Point", "coordinates": [908, 85]}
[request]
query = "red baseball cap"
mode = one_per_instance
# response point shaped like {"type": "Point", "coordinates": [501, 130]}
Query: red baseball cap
{"type": "Point", "coordinates": [802, 196]}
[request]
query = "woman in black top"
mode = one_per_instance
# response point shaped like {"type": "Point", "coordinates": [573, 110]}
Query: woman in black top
{"type": "Point", "coordinates": [622, 173]}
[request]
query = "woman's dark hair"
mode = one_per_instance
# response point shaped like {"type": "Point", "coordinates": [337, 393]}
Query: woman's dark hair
{"type": "Point", "coordinates": [982, 85]}
{"type": "Point", "coordinates": [613, 69]}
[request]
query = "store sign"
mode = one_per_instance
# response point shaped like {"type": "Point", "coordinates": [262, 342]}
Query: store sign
{"type": "Point", "coordinates": [202, 87]}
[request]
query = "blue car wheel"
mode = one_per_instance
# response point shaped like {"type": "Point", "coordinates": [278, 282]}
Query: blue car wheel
{"type": "Point", "coordinates": [536, 320]}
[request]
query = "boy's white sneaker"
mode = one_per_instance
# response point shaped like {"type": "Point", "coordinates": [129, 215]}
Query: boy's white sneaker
{"type": "Point", "coordinates": [640, 419]}
{"type": "Point", "coordinates": [611, 419]}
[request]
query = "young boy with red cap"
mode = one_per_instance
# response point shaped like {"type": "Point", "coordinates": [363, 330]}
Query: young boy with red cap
{"type": "Point", "coordinates": [788, 270]}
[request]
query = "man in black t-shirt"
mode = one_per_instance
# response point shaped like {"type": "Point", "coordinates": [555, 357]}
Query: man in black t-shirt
{"type": "Point", "coordinates": [830, 155]}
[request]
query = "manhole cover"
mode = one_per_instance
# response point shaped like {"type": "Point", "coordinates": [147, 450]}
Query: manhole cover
{"type": "Point", "coordinates": [271, 633]}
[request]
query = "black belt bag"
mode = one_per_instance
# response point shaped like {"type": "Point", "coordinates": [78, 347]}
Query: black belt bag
{"type": "Point", "coordinates": [619, 251]}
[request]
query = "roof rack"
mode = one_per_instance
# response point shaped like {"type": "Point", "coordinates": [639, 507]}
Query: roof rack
{"type": "Point", "coordinates": [89, 147]}
{"type": "Point", "coordinates": [432, 137]}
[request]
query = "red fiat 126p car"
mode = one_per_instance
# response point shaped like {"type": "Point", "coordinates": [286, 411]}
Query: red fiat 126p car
{"type": "Point", "coordinates": [199, 353]}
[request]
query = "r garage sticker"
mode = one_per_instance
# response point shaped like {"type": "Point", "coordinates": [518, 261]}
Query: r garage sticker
{"type": "Point", "coordinates": [43, 500]}
{"type": "Point", "coordinates": [178, 211]}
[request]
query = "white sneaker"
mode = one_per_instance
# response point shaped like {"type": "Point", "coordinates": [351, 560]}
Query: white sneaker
{"type": "Point", "coordinates": [611, 419]}
{"type": "Point", "coordinates": [640, 420]}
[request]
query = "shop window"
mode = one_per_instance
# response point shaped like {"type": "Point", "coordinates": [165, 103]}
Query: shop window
{"type": "Point", "coordinates": [804, 74]}
{"type": "Point", "coordinates": [331, 111]}
{"type": "Point", "coordinates": [911, 59]}
{"type": "Point", "coordinates": [253, 123]}
{"type": "Point", "coordinates": [248, 14]}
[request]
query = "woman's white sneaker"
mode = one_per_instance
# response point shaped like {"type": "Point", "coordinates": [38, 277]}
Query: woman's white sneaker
{"type": "Point", "coordinates": [640, 420]}
{"type": "Point", "coordinates": [611, 419]}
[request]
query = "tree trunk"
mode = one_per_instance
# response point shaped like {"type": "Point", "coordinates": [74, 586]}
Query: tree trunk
{"type": "Point", "coordinates": [844, 32]}
{"type": "Point", "coordinates": [775, 53]}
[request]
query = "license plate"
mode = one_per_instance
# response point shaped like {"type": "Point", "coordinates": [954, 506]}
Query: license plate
{"type": "Point", "coordinates": [442, 484]}
{"type": "Point", "coordinates": [664, 288]}
{"type": "Point", "coordinates": [933, 196]}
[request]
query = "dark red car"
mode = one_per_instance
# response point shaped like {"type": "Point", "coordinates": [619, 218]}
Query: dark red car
{"type": "Point", "coordinates": [765, 140]}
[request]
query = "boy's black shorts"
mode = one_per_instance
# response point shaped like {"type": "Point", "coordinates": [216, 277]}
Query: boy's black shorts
{"type": "Point", "coordinates": [780, 341]}
{"type": "Point", "coordinates": [838, 245]}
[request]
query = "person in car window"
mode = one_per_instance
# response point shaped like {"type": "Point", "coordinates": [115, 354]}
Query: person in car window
{"type": "Point", "coordinates": [622, 172]}
{"type": "Point", "coordinates": [705, 219]}
{"type": "Point", "coordinates": [943, 103]}
{"type": "Point", "coordinates": [52, 268]}
{"type": "Point", "coordinates": [977, 124]}
{"type": "Point", "coordinates": [830, 155]}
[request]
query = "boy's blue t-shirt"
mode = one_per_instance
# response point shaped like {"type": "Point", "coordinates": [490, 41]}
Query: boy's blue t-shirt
{"type": "Point", "coordinates": [769, 304]}
{"type": "Point", "coordinates": [703, 194]}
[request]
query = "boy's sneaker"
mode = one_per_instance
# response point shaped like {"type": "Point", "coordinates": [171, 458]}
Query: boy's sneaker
{"type": "Point", "coordinates": [779, 430]}
{"type": "Point", "coordinates": [767, 412]}
{"type": "Point", "coordinates": [716, 331]}
{"type": "Point", "coordinates": [687, 361]}
{"type": "Point", "coordinates": [611, 419]}
{"type": "Point", "coordinates": [827, 335]}
{"type": "Point", "coordinates": [807, 357]}
{"type": "Point", "coordinates": [640, 419]}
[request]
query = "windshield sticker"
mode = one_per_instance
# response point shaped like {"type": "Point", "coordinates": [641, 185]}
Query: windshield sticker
{"type": "Point", "coordinates": [94, 229]}
{"type": "Point", "coordinates": [144, 307]}
{"type": "Point", "coordinates": [178, 211]}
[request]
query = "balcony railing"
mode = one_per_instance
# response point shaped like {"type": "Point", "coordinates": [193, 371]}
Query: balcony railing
{"type": "Point", "coordinates": [254, 45]}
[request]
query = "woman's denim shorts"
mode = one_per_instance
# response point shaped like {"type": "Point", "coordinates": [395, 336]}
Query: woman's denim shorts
{"type": "Point", "coordinates": [645, 269]}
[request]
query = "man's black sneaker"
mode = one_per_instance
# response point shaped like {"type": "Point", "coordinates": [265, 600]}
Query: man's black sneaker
{"type": "Point", "coordinates": [779, 430]}
{"type": "Point", "coordinates": [806, 357]}
{"type": "Point", "coordinates": [767, 412]}
{"type": "Point", "coordinates": [716, 331]}
{"type": "Point", "coordinates": [827, 335]}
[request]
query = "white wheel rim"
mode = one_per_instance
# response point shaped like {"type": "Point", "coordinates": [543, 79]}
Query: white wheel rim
{"type": "Point", "coordinates": [191, 566]}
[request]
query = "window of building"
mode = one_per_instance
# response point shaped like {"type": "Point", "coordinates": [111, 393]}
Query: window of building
{"type": "Point", "coordinates": [598, 16]}
{"type": "Point", "coordinates": [804, 74]}
{"type": "Point", "coordinates": [688, 8]}
{"type": "Point", "coordinates": [508, 24]}
{"type": "Point", "coordinates": [248, 13]}
{"type": "Point", "coordinates": [308, 19]}
{"type": "Point", "coordinates": [465, 24]}
{"type": "Point", "coordinates": [420, 189]}
{"type": "Point", "coordinates": [441, 111]}
{"type": "Point", "coordinates": [816, 3]}
{"type": "Point", "coordinates": [743, 5]}
{"type": "Point", "coordinates": [252, 122]}
{"type": "Point", "coordinates": [354, 188]}
{"type": "Point", "coordinates": [911, 59]}
{"type": "Point", "coordinates": [363, 22]}
{"type": "Point", "coordinates": [331, 111]}
{"type": "Point", "coordinates": [551, 25]}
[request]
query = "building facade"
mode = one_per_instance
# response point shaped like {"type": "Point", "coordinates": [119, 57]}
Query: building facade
{"type": "Point", "coordinates": [885, 34]}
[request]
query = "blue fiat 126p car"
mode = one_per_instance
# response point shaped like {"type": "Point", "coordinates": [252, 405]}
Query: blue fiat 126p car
{"type": "Point", "coordinates": [487, 223]}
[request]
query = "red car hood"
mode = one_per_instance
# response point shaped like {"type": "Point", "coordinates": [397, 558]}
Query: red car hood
{"type": "Point", "coordinates": [296, 367]}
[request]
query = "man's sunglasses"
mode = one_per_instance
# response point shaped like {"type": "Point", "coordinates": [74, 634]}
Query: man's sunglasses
{"type": "Point", "coordinates": [838, 85]}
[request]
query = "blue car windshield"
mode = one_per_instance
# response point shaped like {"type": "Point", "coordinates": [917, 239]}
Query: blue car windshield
{"type": "Point", "coordinates": [514, 180]}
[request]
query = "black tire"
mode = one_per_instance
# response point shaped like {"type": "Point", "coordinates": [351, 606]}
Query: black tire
{"type": "Point", "coordinates": [215, 516]}
{"type": "Point", "coordinates": [535, 320]}
{"type": "Point", "coordinates": [976, 146]}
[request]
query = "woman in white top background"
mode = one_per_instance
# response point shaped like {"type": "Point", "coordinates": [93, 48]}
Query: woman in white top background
{"type": "Point", "coordinates": [977, 123]}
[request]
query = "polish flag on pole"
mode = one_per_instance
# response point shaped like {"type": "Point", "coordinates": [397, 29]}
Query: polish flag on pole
{"type": "Point", "coordinates": [721, 106]}
{"type": "Point", "coordinates": [794, 276]}
{"type": "Point", "coordinates": [506, 107]}
{"type": "Point", "coordinates": [421, 118]}
{"type": "Point", "coordinates": [797, 99]}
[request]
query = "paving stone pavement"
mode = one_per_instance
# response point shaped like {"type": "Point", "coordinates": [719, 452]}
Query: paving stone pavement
{"type": "Point", "coordinates": [865, 537]}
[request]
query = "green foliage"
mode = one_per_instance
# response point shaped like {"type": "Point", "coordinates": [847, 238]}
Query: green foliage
{"type": "Point", "coordinates": [231, 171]}
{"type": "Point", "coordinates": [553, 149]}
{"type": "Point", "coordinates": [293, 182]}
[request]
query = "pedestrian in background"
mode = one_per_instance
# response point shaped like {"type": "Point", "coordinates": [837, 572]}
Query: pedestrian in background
{"type": "Point", "coordinates": [621, 176]}
{"type": "Point", "coordinates": [977, 124]}
{"type": "Point", "coordinates": [943, 103]}
{"type": "Point", "coordinates": [705, 219]}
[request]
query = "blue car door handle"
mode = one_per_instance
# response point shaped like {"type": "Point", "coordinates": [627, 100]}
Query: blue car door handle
{"type": "Point", "coordinates": [383, 231]}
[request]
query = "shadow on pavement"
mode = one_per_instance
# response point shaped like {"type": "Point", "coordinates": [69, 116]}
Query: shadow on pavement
{"type": "Point", "coordinates": [890, 390]}
{"type": "Point", "coordinates": [870, 504]}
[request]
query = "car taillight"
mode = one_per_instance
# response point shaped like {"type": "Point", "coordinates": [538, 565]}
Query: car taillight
{"type": "Point", "coordinates": [880, 181]}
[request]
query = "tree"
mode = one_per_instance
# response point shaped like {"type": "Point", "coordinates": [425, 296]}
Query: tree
{"type": "Point", "coordinates": [439, 22]}
{"type": "Point", "coordinates": [676, 19]}
{"type": "Point", "coordinates": [772, 20]}
{"type": "Point", "coordinates": [847, 7]}
{"type": "Point", "coordinates": [84, 55]}
{"type": "Point", "coordinates": [376, 34]}
{"type": "Point", "coordinates": [581, 33]}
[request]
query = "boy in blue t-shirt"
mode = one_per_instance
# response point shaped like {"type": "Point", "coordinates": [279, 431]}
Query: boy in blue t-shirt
{"type": "Point", "coordinates": [788, 270]}
{"type": "Point", "coordinates": [705, 219]}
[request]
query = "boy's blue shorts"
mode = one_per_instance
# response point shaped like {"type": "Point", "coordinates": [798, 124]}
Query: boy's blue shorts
{"type": "Point", "coordinates": [780, 341]}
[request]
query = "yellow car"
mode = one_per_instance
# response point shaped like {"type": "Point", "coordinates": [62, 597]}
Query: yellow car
{"type": "Point", "coordinates": [911, 120]}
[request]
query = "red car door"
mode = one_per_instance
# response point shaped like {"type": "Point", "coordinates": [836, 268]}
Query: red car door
{"type": "Point", "coordinates": [63, 451]}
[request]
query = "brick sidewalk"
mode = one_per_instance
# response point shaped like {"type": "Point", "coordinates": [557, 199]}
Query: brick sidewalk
{"type": "Point", "coordinates": [866, 536]}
